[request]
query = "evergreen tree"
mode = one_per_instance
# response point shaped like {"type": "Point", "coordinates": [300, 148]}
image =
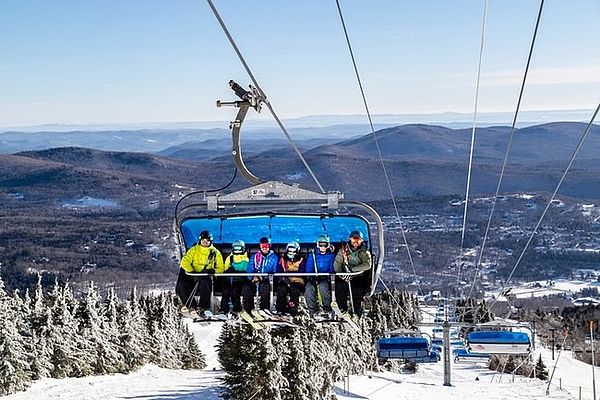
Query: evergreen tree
{"type": "Point", "coordinates": [540, 369]}
{"type": "Point", "coordinates": [14, 368]}
{"type": "Point", "coordinates": [132, 333]}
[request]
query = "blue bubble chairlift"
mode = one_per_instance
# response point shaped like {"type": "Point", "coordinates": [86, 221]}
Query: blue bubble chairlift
{"type": "Point", "coordinates": [277, 210]}
{"type": "Point", "coordinates": [416, 349]}
{"type": "Point", "coordinates": [498, 342]}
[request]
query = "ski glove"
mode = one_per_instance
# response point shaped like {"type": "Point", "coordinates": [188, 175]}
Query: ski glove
{"type": "Point", "coordinates": [347, 278]}
{"type": "Point", "coordinates": [210, 271]}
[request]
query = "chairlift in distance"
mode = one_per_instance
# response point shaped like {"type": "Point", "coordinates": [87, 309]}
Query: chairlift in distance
{"type": "Point", "coordinates": [494, 338]}
{"type": "Point", "coordinates": [409, 346]}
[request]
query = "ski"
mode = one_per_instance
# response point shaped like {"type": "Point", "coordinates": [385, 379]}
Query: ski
{"type": "Point", "coordinates": [328, 318]}
{"type": "Point", "coordinates": [269, 318]}
{"type": "Point", "coordinates": [248, 318]}
{"type": "Point", "coordinates": [269, 321]}
{"type": "Point", "coordinates": [207, 317]}
{"type": "Point", "coordinates": [188, 312]}
{"type": "Point", "coordinates": [344, 317]}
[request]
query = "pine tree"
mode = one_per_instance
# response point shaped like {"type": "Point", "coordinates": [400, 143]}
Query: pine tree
{"type": "Point", "coordinates": [14, 368]}
{"type": "Point", "coordinates": [39, 324]}
{"type": "Point", "coordinates": [540, 369]}
{"type": "Point", "coordinates": [133, 333]}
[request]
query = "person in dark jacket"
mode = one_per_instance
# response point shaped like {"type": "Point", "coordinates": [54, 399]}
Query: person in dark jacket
{"type": "Point", "coordinates": [232, 286]}
{"type": "Point", "coordinates": [290, 288]}
{"type": "Point", "coordinates": [319, 260]}
{"type": "Point", "coordinates": [264, 262]}
{"type": "Point", "coordinates": [202, 257]}
{"type": "Point", "coordinates": [352, 256]}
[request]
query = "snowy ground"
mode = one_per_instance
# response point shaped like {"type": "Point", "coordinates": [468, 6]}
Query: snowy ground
{"type": "Point", "coordinates": [542, 288]}
{"type": "Point", "coordinates": [157, 383]}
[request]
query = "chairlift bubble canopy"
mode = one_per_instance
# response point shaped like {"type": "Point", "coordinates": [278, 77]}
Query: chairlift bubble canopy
{"type": "Point", "coordinates": [498, 342]}
{"type": "Point", "coordinates": [281, 212]}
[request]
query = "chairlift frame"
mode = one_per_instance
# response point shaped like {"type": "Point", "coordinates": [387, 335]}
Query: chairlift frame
{"type": "Point", "coordinates": [273, 198]}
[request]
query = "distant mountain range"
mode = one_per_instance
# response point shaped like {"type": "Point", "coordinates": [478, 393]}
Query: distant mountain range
{"type": "Point", "coordinates": [264, 121]}
{"type": "Point", "coordinates": [422, 160]}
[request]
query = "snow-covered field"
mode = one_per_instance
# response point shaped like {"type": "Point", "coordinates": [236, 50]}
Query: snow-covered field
{"type": "Point", "coordinates": [468, 382]}
{"type": "Point", "coordinates": [543, 288]}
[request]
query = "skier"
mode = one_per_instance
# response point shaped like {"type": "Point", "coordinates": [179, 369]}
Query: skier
{"type": "Point", "coordinates": [353, 256]}
{"type": "Point", "coordinates": [231, 288]}
{"type": "Point", "coordinates": [263, 261]}
{"type": "Point", "coordinates": [202, 257]}
{"type": "Point", "coordinates": [319, 260]}
{"type": "Point", "coordinates": [290, 261]}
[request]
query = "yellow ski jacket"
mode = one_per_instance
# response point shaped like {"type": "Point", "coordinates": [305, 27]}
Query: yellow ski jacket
{"type": "Point", "coordinates": [199, 259]}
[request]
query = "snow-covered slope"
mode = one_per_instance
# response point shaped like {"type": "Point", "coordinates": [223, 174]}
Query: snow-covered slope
{"type": "Point", "coordinates": [157, 383]}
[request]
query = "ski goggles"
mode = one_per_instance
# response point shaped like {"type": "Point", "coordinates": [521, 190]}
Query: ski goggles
{"type": "Point", "coordinates": [265, 246]}
{"type": "Point", "coordinates": [323, 244]}
{"type": "Point", "coordinates": [237, 249]}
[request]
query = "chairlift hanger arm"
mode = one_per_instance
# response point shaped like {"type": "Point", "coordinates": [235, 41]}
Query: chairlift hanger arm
{"type": "Point", "coordinates": [249, 98]}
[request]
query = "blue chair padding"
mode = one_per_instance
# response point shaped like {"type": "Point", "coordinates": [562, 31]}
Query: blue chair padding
{"type": "Point", "coordinates": [498, 337]}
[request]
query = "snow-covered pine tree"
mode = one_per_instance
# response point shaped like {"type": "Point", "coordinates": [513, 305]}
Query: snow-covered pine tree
{"type": "Point", "coordinates": [234, 361]}
{"type": "Point", "coordinates": [109, 352]}
{"type": "Point", "coordinates": [250, 360]}
{"type": "Point", "coordinates": [190, 355]}
{"type": "Point", "coordinates": [14, 368]}
{"type": "Point", "coordinates": [91, 339]}
{"type": "Point", "coordinates": [133, 332]}
{"type": "Point", "coordinates": [295, 368]}
{"type": "Point", "coordinates": [67, 357]}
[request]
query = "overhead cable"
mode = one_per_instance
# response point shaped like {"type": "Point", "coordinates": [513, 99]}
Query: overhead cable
{"type": "Point", "coordinates": [562, 178]}
{"type": "Point", "coordinates": [262, 94]}
{"type": "Point", "coordinates": [385, 173]}
{"type": "Point", "coordinates": [464, 226]}
{"type": "Point", "coordinates": [508, 145]}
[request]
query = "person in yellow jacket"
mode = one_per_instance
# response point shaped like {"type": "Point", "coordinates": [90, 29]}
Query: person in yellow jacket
{"type": "Point", "coordinates": [202, 257]}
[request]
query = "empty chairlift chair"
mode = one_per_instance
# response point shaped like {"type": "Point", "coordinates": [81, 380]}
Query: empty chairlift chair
{"type": "Point", "coordinates": [415, 349]}
{"type": "Point", "coordinates": [498, 342]}
{"type": "Point", "coordinates": [462, 355]}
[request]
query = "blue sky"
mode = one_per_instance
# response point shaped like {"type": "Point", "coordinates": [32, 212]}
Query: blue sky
{"type": "Point", "coordinates": [106, 61]}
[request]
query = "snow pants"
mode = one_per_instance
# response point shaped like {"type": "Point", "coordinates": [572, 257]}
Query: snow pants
{"type": "Point", "coordinates": [314, 286]}
{"type": "Point", "coordinates": [185, 290]}
{"type": "Point", "coordinates": [286, 289]}
{"type": "Point", "coordinates": [231, 291]}
{"type": "Point", "coordinates": [342, 292]}
{"type": "Point", "coordinates": [264, 290]}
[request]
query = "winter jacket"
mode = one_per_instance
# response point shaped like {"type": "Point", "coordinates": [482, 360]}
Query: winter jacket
{"type": "Point", "coordinates": [199, 259]}
{"type": "Point", "coordinates": [295, 265]}
{"type": "Point", "coordinates": [260, 263]}
{"type": "Point", "coordinates": [317, 262]}
{"type": "Point", "coordinates": [237, 262]}
{"type": "Point", "coordinates": [355, 260]}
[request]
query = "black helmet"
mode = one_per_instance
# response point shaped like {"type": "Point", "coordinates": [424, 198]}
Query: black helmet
{"type": "Point", "coordinates": [265, 239]}
{"type": "Point", "coordinates": [356, 234]}
{"type": "Point", "coordinates": [205, 235]}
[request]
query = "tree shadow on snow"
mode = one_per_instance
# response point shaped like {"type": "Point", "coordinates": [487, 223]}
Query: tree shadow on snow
{"type": "Point", "coordinates": [210, 393]}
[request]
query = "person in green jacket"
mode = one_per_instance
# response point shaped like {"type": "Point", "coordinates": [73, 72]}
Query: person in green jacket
{"type": "Point", "coordinates": [202, 257]}
{"type": "Point", "coordinates": [352, 256]}
{"type": "Point", "coordinates": [231, 287]}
